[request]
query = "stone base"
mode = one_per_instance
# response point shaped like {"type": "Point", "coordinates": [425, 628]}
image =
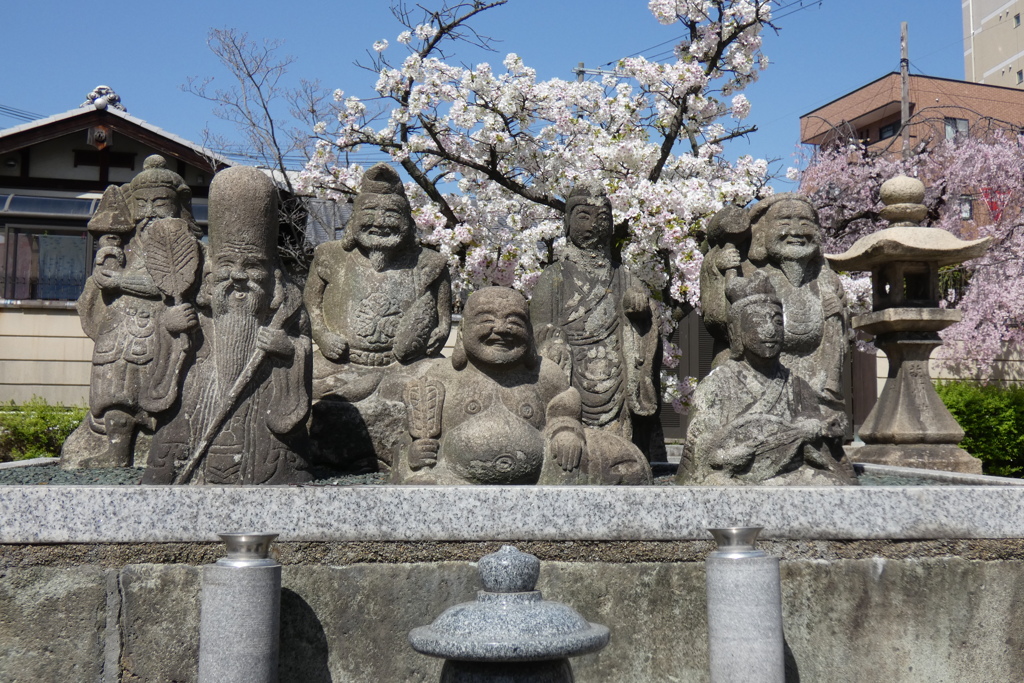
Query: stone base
{"type": "Point", "coordinates": [85, 449]}
{"type": "Point", "coordinates": [925, 456]}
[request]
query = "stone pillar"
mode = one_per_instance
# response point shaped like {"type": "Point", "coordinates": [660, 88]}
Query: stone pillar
{"type": "Point", "coordinates": [510, 634]}
{"type": "Point", "coordinates": [241, 613]}
{"type": "Point", "coordinates": [744, 610]}
{"type": "Point", "coordinates": [909, 425]}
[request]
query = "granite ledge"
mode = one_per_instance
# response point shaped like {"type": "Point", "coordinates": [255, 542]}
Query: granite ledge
{"type": "Point", "coordinates": [119, 514]}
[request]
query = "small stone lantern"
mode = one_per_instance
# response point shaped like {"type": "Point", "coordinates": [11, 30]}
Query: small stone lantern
{"type": "Point", "coordinates": [510, 633]}
{"type": "Point", "coordinates": [909, 425]}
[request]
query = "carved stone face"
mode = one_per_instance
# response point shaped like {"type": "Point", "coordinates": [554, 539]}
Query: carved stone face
{"type": "Point", "coordinates": [762, 329]}
{"type": "Point", "coordinates": [381, 221]}
{"type": "Point", "coordinates": [793, 233]}
{"type": "Point", "coordinates": [151, 203]}
{"type": "Point", "coordinates": [590, 225]}
{"type": "Point", "coordinates": [495, 327]}
{"type": "Point", "coordinates": [240, 275]}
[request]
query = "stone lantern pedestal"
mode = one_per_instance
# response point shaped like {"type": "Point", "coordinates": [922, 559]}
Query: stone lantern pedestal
{"type": "Point", "coordinates": [909, 425]}
{"type": "Point", "coordinates": [510, 634]}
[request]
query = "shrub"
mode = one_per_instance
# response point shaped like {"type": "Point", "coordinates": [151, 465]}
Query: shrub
{"type": "Point", "coordinates": [35, 429]}
{"type": "Point", "coordinates": [993, 418]}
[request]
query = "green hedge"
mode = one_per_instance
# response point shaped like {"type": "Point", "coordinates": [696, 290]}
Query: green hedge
{"type": "Point", "coordinates": [993, 418]}
{"type": "Point", "coordinates": [35, 429]}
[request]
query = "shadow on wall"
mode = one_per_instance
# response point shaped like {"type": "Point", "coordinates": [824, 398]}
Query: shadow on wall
{"type": "Point", "coordinates": [304, 646]}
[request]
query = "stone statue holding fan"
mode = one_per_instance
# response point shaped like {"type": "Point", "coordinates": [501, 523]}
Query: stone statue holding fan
{"type": "Point", "coordinates": [137, 306]}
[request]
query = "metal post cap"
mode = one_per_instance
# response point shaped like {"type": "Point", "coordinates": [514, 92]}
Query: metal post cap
{"type": "Point", "coordinates": [247, 550]}
{"type": "Point", "coordinates": [737, 541]}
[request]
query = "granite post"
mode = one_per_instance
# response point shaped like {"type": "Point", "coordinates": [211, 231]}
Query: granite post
{"type": "Point", "coordinates": [241, 613]}
{"type": "Point", "coordinates": [510, 634]}
{"type": "Point", "coordinates": [744, 610]}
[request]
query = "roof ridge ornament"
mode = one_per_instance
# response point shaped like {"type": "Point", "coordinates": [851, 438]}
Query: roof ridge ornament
{"type": "Point", "coordinates": [103, 96]}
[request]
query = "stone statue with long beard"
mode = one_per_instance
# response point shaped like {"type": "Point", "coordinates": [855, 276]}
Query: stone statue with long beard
{"type": "Point", "coordinates": [242, 418]}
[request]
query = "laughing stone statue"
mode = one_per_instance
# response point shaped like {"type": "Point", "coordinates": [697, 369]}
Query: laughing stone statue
{"type": "Point", "coordinates": [378, 303]}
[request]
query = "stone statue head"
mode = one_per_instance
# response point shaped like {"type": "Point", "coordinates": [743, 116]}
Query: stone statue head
{"type": "Point", "coordinates": [243, 237]}
{"type": "Point", "coordinates": [381, 215]}
{"type": "Point", "coordinates": [785, 228]}
{"type": "Point", "coordinates": [588, 216]}
{"type": "Point", "coordinates": [755, 318]}
{"type": "Point", "coordinates": [158, 192]}
{"type": "Point", "coordinates": [495, 331]}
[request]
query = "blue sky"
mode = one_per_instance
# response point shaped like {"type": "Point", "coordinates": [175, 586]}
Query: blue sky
{"type": "Point", "coordinates": [55, 52]}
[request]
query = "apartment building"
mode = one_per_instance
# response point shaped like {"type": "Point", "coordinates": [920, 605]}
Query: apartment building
{"type": "Point", "coordinates": [994, 42]}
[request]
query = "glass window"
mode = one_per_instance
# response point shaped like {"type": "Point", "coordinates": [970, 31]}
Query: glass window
{"type": "Point", "coordinates": [888, 130]}
{"type": "Point", "coordinates": [956, 128]}
{"type": "Point", "coordinates": [1016, 20]}
{"type": "Point", "coordinates": [1020, 75]}
{"type": "Point", "coordinates": [37, 263]}
{"type": "Point", "coordinates": [51, 205]}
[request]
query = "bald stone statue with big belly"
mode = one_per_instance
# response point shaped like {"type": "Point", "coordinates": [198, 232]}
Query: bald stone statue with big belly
{"type": "Point", "coordinates": [378, 303]}
{"type": "Point", "coordinates": [498, 413]}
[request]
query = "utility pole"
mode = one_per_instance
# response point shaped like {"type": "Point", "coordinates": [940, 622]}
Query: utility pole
{"type": "Point", "coordinates": [581, 70]}
{"type": "Point", "coordinates": [905, 95]}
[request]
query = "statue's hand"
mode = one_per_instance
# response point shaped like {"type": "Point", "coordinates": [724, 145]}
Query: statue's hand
{"type": "Point", "coordinates": [634, 302]}
{"type": "Point", "coordinates": [812, 429]}
{"type": "Point", "coordinates": [728, 258]}
{"type": "Point", "coordinates": [332, 346]}
{"type": "Point", "coordinates": [107, 278]}
{"type": "Point", "coordinates": [180, 318]}
{"type": "Point", "coordinates": [567, 448]}
{"type": "Point", "coordinates": [423, 453]}
{"type": "Point", "coordinates": [732, 458]}
{"type": "Point", "coordinates": [274, 341]}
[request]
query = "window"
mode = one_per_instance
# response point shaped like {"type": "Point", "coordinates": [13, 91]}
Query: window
{"type": "Point", "coordinates": [888, 130]}
{"type": "Point", "coordinates": [1020, 75]}
{"type": "Point", "coordinates": [43, 263]}
{"type": "Point", "coordinates": [956, 128]}
{"type": "Point", "coordinates": [966, 207]}
{"type": "Point", "coordinates": [1016, 20]}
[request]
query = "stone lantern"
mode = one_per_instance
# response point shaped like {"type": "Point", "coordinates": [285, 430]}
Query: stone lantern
{"type": "Point", "coordinates": [510, 633]}
{"type": "Point", "coordinates": [909, 425]}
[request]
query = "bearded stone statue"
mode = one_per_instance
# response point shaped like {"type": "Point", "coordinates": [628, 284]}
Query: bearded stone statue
{"type": "Point", "coordinates": [242, 417]}
{"type": "Point", "coordinates": [137, 307]}
{"type": "Point", "coordinates": [379, 303]}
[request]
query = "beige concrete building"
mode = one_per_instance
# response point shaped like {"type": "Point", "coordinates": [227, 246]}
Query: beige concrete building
{"type": "Point", "coordinates": [994, 42]}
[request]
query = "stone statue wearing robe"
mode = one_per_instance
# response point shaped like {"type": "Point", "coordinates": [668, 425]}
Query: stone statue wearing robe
{"type": "Point", "coordinates": [754, 421]}
{"type": "Point", "coordinates": [378, 303]}
{"type": "Point", "coordinates": [140, 325]}
{"type": "Point", "coordinates": [596, 321]}
{"type": "Point", "coordinates": [242, 417]}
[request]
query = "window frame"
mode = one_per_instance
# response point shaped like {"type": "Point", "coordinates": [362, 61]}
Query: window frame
{"type": "Point", "coordinates": [10, 229]}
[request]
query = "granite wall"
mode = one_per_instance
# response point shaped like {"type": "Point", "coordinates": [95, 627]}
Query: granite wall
{"type": "Point", "coordinates": [862, 611]}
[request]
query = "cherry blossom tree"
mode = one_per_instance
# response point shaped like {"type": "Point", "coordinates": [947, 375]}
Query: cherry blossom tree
{"type": "Point", "coordinates": [492, 150]}
{"type": "Point", "coordinates": [974, 188]}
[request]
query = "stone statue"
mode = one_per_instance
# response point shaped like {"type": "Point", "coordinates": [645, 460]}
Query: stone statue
{"type": "Point", "coordinates": [728, 238]}
{"type": "Point", "coordinates": [498, 413]}
{"type": "Point", "coordinates": [786, 245]}
{"type": "Point", "coordinates": [136, 307]}
{"type": "Point", "coordinates": [378, 303]}
{"type": "Point", "coordinates": [596, 321]}
{"type": "Point", "coordinates": [754, 421]}
{"type": "Point", "coordinates": [242, 417]}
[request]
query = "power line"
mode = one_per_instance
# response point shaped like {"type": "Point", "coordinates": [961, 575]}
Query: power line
{"type": "Point", "coordinates": [803, 4]}
{"type": "Point", "coordinates": [19, 114]}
